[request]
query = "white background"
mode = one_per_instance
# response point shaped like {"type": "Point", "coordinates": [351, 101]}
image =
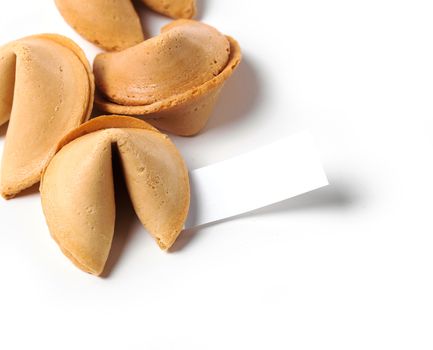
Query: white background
{"type": "Point", "coordinates": [346, 267]}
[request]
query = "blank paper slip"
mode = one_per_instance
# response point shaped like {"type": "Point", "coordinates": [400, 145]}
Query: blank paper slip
{"type": "Point", "coordinates": [284, 169]}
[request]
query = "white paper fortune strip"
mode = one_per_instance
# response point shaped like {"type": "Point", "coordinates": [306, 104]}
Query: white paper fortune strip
{"type": "Point", "coordinates": [281, 170]}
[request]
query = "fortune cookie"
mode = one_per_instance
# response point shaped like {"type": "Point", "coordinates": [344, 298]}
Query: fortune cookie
{"type": "Point", "coordinates": [110, 24]}
{"type": "Point", "coordinates": [114, 24]}
{"type": "Point", "coordinates": [172, 80]}
{"type": "Point", "coordinates": [46, 90]}
{"type": "Point", "coordinates": [77, 187]}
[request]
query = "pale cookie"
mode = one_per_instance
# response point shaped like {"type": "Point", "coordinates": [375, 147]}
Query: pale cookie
{"type": "Point", "coordinates": [77, 187]}
{"type": "Point", "coordinates": [172, 80]}
{"type": "Point", "coordinates": [110, 24]}
{"type": "Point", "coordinates": [46, 90]}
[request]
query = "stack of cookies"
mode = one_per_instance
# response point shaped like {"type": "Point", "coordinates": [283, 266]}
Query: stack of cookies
{"type": "Point", "coordinates": [47, 93]}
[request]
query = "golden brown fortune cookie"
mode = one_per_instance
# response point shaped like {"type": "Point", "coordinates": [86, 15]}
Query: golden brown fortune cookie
{"type": "Point", "coordinates": [172, 80]}
{"type": "Point", "coordinates": [77, 187]}
{"type": "Point", "coordinates": [114, 24]}
{"type": "Point", "coordinates": [46, 90]}
{"type": "Point", "coordinates": [110, 24]}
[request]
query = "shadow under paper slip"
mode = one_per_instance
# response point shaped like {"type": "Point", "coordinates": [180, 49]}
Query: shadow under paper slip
{"type": "Point", "coordinates": [239, 96]}
{"type": "Point", "coordinates": [339, 195]}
